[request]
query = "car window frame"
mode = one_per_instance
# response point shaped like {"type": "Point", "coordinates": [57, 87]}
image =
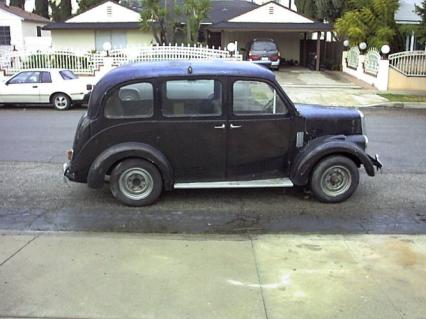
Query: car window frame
{"type": "Point", "coordinates": [16, 75]}
{"type": "Point", "coordinates": [220, 116]}
{"type": "Point", "coordinates": [105, 98]}
{"type": "Point", "coordinates": [280, 93]}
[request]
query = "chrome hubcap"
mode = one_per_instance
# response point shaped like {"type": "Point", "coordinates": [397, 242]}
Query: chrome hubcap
{"type": "Point", "coordinates": [61, 102]}
{"type": "Point", "coordinates": [136, 183]}
{"type": "Point", "coordinates": [336, 181]}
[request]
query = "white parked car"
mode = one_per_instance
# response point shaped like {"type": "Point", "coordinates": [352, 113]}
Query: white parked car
{"type": "Point", "coordinates": [58, 87]}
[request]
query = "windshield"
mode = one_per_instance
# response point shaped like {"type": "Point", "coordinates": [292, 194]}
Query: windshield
{"type": "Point", "coordinates": [264, 46]}
{"type": "Point", "coordinates": [68, 75]}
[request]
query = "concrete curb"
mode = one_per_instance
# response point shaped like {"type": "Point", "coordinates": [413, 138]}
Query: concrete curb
{"type": "Point", "coordinates": [399, 105]}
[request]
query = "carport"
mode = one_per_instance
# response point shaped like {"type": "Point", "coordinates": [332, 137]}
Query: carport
{"type": "Point", "coordinates": [292, 31]}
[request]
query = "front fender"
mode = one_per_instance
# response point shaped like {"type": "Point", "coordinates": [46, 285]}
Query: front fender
{"type": "Point", "coordinates": [321, 147]}
{"type": "Point", "coordinates": [116, 153]}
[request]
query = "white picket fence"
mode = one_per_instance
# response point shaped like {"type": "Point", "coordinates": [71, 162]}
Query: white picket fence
{"type": "Point", "coordinates": [88, 63]}
{"type": "Point", "coordinates": [409, 63]}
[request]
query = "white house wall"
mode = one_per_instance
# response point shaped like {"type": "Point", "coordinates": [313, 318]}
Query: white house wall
{"type": "Point", "coordinates": [107, 12]}
{"type": "Point", "coordinates": [288, 43]}
{"type": "Point", "coordinates": [286, 3]}
{"type": "Point", "coordinates": [14, 22]}
{"type": "Point", "coordinates": [271, 13]}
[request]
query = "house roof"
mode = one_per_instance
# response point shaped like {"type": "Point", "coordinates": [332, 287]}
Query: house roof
{"type": "Point", "coordinates": [25, 15]}
{"type": "Point", "coordinates": [406, 12]}
{"type": "Point", "coordinates": [259, 26]}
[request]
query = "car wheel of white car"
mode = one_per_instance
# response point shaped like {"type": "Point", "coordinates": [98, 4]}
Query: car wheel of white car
{"type": "Point", "coordinates": [61, 101]}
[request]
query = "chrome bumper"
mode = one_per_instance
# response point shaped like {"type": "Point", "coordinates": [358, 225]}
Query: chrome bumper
{"type": "Point", "coordinates": [376, 162]}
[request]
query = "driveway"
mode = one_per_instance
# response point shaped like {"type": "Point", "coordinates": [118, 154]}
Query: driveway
{"type": "Point", "coordinates": [326, 88]}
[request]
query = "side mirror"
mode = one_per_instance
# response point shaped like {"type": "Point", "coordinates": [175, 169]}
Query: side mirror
{"type": "Point", "coordinates": [89, 87]}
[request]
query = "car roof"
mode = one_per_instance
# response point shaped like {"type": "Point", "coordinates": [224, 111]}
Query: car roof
{"type": "Point", "coordinates": [177, 68]}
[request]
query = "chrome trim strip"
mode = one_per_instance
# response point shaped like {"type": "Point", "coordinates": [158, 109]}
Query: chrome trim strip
{"type": "Point", "coordinates": [300, 137]}
{"type": "Point", "coordinates": [265, 183]}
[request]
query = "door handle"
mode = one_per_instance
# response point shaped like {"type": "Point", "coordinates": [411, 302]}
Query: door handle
{"type": "Point", "coordinates": [35, 86]}
{"type": "Point", "coordinates": [235, 126]}
{"type": "Point", "coordinates": [220, 126]}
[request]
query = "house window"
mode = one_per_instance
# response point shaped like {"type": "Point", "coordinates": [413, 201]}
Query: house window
{"type": "Point", "coordinates": [118, 39]}
{"type": "Point", "coordinates": [38, 31]}
{"type": "Point", "coordinates": [4, 35]}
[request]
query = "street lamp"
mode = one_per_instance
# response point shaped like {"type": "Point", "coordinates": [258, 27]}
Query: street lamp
{"type": "Point", "coordinates": [362, 46]}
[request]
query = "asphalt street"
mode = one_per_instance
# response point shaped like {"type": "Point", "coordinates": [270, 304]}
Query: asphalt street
{"type": "Point", "coordinates": [33, 195]}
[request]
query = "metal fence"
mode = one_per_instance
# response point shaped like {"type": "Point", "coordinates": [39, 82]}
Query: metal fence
{"type": "Point", "coordinates": [81, 63]}
{"type": "Point", "coordinates": [88, 63]}
{"type": "Point", "coordinates": [409, 63]}
{"type": "Point", "coordinates": [352, 58]}
{"type": "Point", "coordinates": [372, 61]}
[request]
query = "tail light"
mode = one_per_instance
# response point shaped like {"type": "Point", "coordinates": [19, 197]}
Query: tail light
{"type": "Point", "coordinates": [274, 57]}
{"type": "Point", "coordinates": [253, 57]}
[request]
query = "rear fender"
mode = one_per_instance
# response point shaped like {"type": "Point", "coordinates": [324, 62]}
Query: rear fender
{"type": "Point", "coordinates": [108, 158]}
{"type": "Point", "coordinates": [322, 147]}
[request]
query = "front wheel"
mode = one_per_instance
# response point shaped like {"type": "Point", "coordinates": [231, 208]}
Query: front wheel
{"type": "Point", "coordinates": [334, 179]}
{"type": "Point", "coordinates": [61, 101]}
{"type": "Point", "coordinates": [136, 182]}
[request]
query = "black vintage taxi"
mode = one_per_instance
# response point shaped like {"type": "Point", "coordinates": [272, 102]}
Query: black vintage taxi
{"type": "Point", "coordinates": [171, 125]}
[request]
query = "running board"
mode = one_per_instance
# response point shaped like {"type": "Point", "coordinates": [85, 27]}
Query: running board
{"type": "Point", "coordinates": [277, 182]}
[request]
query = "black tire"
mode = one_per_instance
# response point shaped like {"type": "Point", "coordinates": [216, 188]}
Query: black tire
{"type": "Point", "coordinates": [61, 101]}
{"type": "Point", "coordinates": [334, 179]}
{"type": "Point", "coordinates": [136, 182]}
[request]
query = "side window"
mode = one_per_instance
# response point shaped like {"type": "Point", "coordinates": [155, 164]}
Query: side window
{"type": "Point", "coordinates": [46, 77]}
{"type": "Point", "coordinates": [183, 98]}
{"type": "Point", "coordinates": [26, 77]}
{"type": "Point", "coordinates": [130, 101]}
{"type": "Point", "coordinates": [256, 98]}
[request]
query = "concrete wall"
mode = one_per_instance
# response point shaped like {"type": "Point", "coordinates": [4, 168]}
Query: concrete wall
{"type": "Point", "coordinates": [400, 82]}
{"type": "Point", "coordinates": [288, 43]}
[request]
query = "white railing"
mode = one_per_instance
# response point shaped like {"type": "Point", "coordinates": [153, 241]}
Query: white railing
{"type": "Point", "coordinates": [170, 52]}
{"type": "Point", "coordinates": [88, 63]}
{"type": "Point", "coordinates": [372, 61]}
{"type": "Point", "coordinates": [80, 63]}
{"type": "Point", "coordinates": [409, 63]}
{"type": "Point", "coordinates": [353, 58]}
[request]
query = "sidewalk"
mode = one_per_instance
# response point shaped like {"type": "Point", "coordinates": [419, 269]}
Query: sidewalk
{"type": "Point", "coordinates": [99, 275]}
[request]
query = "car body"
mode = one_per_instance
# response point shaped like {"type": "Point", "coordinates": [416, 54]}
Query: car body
{"type": "Point", "coordinates": [160, 126]}
{"type": "Point", "coordinates": [264, 52]}
{"type": "Point", "coordinates": [58, 87]}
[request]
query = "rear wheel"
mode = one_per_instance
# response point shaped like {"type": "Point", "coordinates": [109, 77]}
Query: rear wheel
{"type": "Point", "coordinates": [136, 182]}
{"type": "Point", "coordinates": [61, 101]}
{"type": "Point", "coordinates": [334, 179]}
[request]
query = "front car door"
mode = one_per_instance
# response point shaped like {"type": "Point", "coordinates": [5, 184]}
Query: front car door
{"type": "Point", "coordinates": [22, 88]}
{"type": "Point", "coordinates": [260, 127]}
{"type": "Point", "coordinates": [193, 128]}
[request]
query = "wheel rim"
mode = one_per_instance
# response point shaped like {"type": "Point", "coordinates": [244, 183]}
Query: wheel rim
{"type": "Point", "coordinates": [136, 183]}
{"type": "Point", "coordinates": [336, 181]}
{"type": "Point", "coordinates": [61, 102]}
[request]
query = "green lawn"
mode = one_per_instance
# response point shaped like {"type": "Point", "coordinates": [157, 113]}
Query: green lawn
{"type": "Point", "coordinates": [403, 97]}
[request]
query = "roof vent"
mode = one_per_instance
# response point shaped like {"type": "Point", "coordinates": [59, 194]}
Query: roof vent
{"type": "Point", "coordinates": [109, 11]}
{"type": "Point", "coordinates": [271, 10]}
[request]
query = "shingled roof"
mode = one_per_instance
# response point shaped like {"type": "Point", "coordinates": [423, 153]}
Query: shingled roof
{"type": "Point", "coordinates": [27, 16]}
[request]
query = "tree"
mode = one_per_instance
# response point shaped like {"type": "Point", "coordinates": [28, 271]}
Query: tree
{"type": "Point", "coordinates": [160, 19]}
{"type": "Point", "coordinates": [61, 11]}
{"type": "Point", "coordinates": [195, 11]}
{"type": "Point", "coordinates": [18, 3]}
{"type": "Point", "coordinates": [307, 8]}
{"type": "Point", "coordinates": [421, 29]}
{"type": "Point", "coordinates": [370, 21]}
{"type": "Point", "coordinates": [42, 8]}
{"type": "Point", "coordinates": [330, 10]}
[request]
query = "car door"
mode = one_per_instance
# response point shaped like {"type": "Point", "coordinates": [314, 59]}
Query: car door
{"type": "Point", "coordinates": [260, 127]}
{"type": "Point", "coordinates": [192, 129]}
{"type": "Point", "coordinates": [22, 88]}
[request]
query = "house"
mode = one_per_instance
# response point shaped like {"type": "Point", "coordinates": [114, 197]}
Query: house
{"type": "Point", "coordinates": [106, 22]}
{"type": "Point", "coordinates": [20, 29]}
{"type": "Point", "coordinates": [406, 15]}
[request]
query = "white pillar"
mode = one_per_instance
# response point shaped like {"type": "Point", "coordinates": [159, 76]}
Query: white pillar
{"type": "Point", "coordinates": [412, 41]}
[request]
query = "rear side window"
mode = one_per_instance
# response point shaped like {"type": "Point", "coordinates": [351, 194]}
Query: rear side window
{"type": "Point", "coordinates": [130, 101]}
{"type": "Point", "coordinates": [183, 98]}
{"type": "Point", "coordinates": [256, 98]}
{"type": "Point", "coordinates": [67, 75]}
{"type": "Point", "coordinates": [45, 77]}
